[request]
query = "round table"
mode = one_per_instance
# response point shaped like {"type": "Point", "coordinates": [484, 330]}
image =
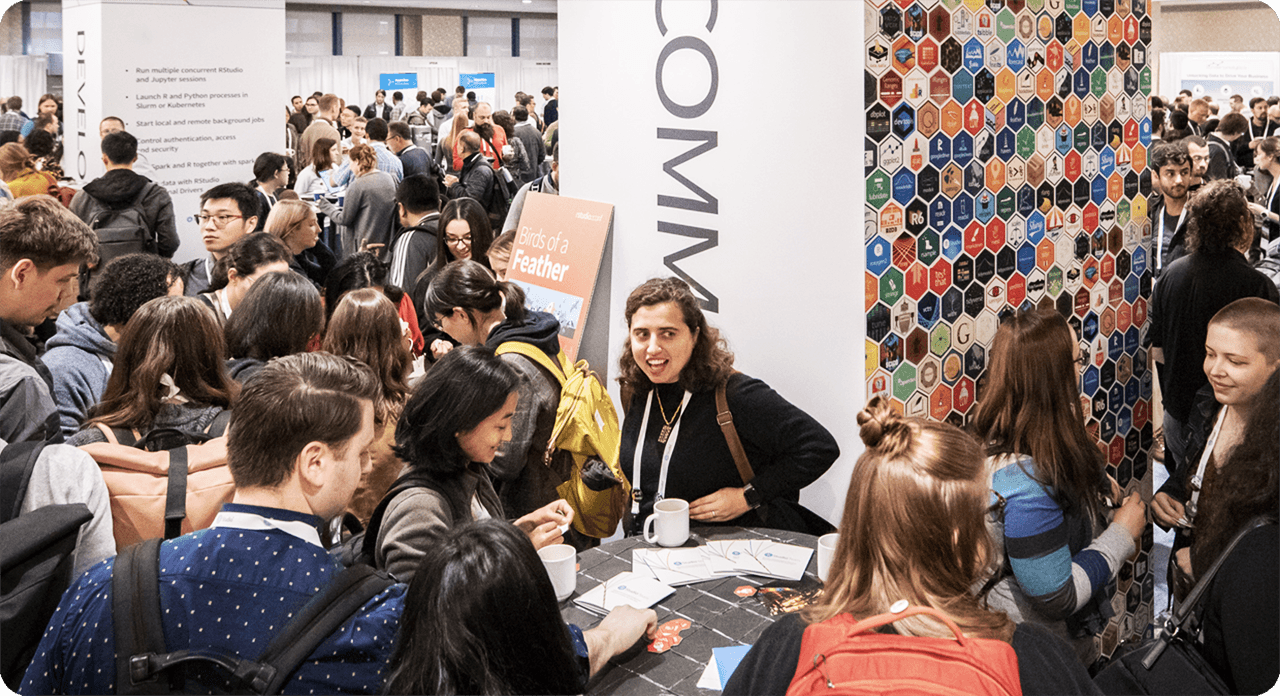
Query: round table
{"type": "Point", "coordinates": [720, 618]}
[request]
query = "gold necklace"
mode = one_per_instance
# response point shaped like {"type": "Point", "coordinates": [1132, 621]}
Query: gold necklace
{"type": "Point", "coordinates": [665, 433]}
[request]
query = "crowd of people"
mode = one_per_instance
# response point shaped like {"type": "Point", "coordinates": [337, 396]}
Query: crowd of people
{"type": "Point", "coordinates": [347, 346]}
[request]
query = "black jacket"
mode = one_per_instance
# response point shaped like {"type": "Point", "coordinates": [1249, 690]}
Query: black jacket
{"type": "Point", "coordinates": [475, 180]}
{"type": "Point", "coordinates": [523, 481]}
{"type": "Point", "coordinates": [121, 188]}
{"type": "Point", "coordinates": [374, 111]}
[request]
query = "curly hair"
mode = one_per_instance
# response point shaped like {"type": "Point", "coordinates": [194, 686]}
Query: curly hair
{"type": "Point", "coordinates": [711, 362]}
{"type": "Point", "coordinates": [1247, 485]}
{"type": "Point", "coordinates": [364, 156]}
{"type": "Point", "coordinates": [1219, 217]}
{"type": "Point", "coordinates": [129, 282]}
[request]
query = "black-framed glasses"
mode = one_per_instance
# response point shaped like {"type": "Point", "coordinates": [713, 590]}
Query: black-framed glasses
{"type": "Point", "coordinates": [458, 241]}
{"type": "Point", "coordinates": [219, 221]}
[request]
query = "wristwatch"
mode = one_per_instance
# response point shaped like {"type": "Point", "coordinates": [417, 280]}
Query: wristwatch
{"type": "Point", "coordinates": [753, 496]}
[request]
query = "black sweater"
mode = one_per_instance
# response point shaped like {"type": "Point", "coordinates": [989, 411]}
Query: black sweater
{"type": "Point", "coordinates": [787, 448]}
{"type": "Point", "coordinates": [1046, 665]}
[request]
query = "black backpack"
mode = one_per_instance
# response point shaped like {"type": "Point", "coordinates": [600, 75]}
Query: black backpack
{"type": "Point", "coordinates": [503, 191]}
{"type": "Point", "coordinates": [120, 231]}
{"type": "Point", "coordinates": [144, 663]}
{"type": "Point", "coordinates": [37, 552]}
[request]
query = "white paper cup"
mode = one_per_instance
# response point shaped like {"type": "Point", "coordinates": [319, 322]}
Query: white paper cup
{"type": "Point", "coordinates": [560, 561]}
{"type": "Point", "coordinates": [826, 551]}
{"type": "Point", "coordinates": [670, 522]}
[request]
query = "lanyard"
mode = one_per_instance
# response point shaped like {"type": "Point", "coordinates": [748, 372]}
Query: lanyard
{"type": "Point", "coordinates": [667, 451]}
{"type": "Point", "coordinates": [256, 522]}
{"type": "Point", "coordinates": [1160, 240]}
{"type": "Point", "coordinates": [1197, 481]}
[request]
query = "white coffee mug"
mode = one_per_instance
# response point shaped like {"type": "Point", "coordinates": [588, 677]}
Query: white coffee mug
{"type": "Point", "coordinates": [560, 561]}
{"type": "Point", "coordinates": [826, 551]}
{"type": "Point", "coordinates": [670, 521]}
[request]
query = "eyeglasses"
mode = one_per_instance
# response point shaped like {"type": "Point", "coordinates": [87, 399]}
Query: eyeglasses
{"type": "Point", "coordinates": [219, 221]}
{"type": "Point", "coordinates": [1082, 361]}
{"type": "Point", "coordinates": [458, 241]}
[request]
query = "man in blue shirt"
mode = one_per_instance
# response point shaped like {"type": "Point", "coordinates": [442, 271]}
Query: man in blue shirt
{"type": "Point", "coordinates": [298, 443]}
{"type": "Point", "coordinates": [377, 131]}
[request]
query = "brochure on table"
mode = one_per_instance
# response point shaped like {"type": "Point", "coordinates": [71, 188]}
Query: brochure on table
{"type": "Point", "coordinates": [624, 588]}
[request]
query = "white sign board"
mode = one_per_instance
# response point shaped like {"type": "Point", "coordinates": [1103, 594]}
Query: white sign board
{"type": "Point", "coordinates": [1220, 75]}
{"type": "Point", "coordinates": [200, 85]}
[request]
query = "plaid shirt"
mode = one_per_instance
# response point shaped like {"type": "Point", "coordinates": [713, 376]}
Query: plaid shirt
{"type": "Point", "coordinates": [12, 120]}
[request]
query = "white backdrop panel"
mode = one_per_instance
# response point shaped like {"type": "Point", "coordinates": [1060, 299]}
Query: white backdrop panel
{"type": "Point", "coordinates": [25, 76]}
{"type": "Point", "coordinates": [356, 77]}
{"type": "Point", "coordinates": [786, 265]}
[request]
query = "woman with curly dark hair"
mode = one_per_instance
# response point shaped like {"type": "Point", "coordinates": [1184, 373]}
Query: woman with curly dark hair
{"type": "Point", "coordinates": [672, 446]}
{"type": "Point", "coordinates": [1192, 289]}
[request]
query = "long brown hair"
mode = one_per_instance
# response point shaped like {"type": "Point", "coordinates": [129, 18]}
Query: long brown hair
{"type": "Point", "coordinates": [366, 326]}
{"type": "Point", "coordinates": [178, 336]}
{"type": "Point", "coordinates": [1247, 485]}
{"type": "Point", "coordinates": [914, 528]}
{"type": "Point", "coordinates": [711, 362]}
{"type": "Point", "coordinates": [1031, 406]}
{"type": "Point", "coordinates": [322, 154]}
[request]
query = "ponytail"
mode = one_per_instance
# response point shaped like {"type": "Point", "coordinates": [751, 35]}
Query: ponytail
{"type": "Point", "coordinates": [471, 286]}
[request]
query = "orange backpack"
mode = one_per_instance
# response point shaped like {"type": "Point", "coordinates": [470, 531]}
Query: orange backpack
{"type": "Point", "coordinates": [839, 656]}
{"type": "Point", "coordinates": [165, 483]}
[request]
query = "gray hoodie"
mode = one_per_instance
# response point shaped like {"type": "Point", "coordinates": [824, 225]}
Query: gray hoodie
{"type": "Point", "coordinates": [80, 357]}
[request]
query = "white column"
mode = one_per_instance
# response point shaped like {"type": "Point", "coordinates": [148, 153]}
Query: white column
{"type": "Point", "coordinates": [201, 87]}
{"type": "Point", "coordinates": [729, 137]}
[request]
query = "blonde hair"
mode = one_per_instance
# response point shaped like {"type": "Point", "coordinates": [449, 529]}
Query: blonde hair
{"type": "Point", "coordinates": [914, 528]}
{"type": "Point", "coordinates": [286, 218]}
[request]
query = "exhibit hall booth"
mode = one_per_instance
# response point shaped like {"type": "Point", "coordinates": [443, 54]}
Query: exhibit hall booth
{"type": "Point", "coordinates": [856, 191]}
{"type": "Point", "coordinates": [859, 191]}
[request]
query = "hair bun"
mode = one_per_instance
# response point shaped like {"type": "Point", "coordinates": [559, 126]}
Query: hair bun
{"type": "Point", "coordinates": [882, 428]}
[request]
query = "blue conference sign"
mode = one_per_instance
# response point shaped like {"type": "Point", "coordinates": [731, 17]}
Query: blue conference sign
{"type": "Point", "coordinates": [478, 80]}
{"type": "Point", "coordinates": [398, 80]}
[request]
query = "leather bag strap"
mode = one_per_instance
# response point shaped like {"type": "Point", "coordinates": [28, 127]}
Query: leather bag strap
{"type": "Point", "coordinates": [725, 419]}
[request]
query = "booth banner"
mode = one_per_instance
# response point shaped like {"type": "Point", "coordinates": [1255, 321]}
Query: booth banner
{"type": "Point", "coordinates": [556, 258]}
{"type": "Point", "coordinates": [198, 85]}
{"type": "Point", "coordinates": [726, 153]}
{"type": "Point", "coordinates": [483, 84]}
{"type": "Point", "coordinates": [1220, 75]}
{"type": "Point", "coordinates": [390, 81]}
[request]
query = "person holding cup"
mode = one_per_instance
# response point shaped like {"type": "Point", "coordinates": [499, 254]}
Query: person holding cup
{"type": "Point", "coordinates": [672, 445]}
{"type": "Point", "coordinates": [451, 428]}
{"type": "Point", "coordinates": [480, 617]}
{"type": "Point", "coordinates": [913, 536]}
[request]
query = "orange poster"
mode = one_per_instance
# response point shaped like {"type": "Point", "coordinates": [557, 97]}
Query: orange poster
{"type": "Point", "coordinates": [556, 257]}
